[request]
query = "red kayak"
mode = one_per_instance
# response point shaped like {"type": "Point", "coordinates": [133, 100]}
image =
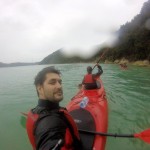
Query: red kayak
{"type": "Point", "coordinates": [90, 112]}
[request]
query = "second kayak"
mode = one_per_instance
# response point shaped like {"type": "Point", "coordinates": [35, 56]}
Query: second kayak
{"type": "Point", "coordinates": [90, 112]}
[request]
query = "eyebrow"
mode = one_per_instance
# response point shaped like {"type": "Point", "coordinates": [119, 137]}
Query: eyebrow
{"type": "Point", "coordinates": [60, 80]}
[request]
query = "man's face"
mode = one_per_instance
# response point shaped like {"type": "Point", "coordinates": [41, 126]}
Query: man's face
{"type": "Point", "coordinates": [51, 89]}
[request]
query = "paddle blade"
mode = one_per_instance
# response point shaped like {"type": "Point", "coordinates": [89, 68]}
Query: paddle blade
{"type": "Point", "coordinates": [24, 114]}
{"type": "Point", "coordinates": [144, 135]}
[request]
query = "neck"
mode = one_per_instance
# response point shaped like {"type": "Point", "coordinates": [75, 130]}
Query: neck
{"type": "Point", "coordinates": [48, 104]}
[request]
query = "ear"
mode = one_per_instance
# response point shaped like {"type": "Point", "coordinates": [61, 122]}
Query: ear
{"type": "Point", "coordinates": [39, 89]}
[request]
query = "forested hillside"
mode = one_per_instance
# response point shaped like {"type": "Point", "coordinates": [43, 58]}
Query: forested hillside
{"type": "Point", "coordinates": [133, 38]}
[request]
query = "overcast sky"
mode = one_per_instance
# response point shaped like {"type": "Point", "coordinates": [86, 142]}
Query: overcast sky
{"type": "Point", "coordinates": [32, 29]}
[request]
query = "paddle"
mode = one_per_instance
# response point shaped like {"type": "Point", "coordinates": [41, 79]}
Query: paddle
{"type": "Point", "coordinates": [23, 119]}
{"type": "Point", "coordinates": [144, 135]}
{"type": "Point", "coordinates": [99, 59]}
{"type": "Point", "coordinates": [24, 114]}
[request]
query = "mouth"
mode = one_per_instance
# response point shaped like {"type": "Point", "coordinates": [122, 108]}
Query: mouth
{"type": "Point", "coordinates": [59, 93]}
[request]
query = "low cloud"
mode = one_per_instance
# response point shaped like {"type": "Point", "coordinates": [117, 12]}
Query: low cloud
{"type": "Point", "coordinates": [31, 30]}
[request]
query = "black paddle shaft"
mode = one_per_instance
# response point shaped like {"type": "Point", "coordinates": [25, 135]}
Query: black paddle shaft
{"type": "Point", "coordinates": [107, 134]}
{"type": "Point", "coordinates": [99, 59]}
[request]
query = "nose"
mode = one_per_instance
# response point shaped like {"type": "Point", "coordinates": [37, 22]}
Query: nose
{"type": "Point", "coordinates": [58, 84]}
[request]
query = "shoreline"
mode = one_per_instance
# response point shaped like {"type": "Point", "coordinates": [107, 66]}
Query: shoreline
{"type": "Point", "coordinates": [141, 63]}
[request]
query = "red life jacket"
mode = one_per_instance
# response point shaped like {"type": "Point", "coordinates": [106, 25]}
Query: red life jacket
{"type": "Point", "coordinates": [88, 78]}
{"type": "Point", "coordinates": [69, 138]}
{"type": "Point", "coordinates": [30, 125]}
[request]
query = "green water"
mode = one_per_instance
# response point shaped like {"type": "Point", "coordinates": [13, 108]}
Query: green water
{"type": "Point", "coordinates": [128, 94]}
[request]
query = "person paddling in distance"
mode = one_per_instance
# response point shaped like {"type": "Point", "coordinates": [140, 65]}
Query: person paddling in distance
{"type": "Point", "coordinates": [123, 66]}
{"type": "Point", "coordinates": [90, 80]}
{"type": "Point", "coordinates": [49, 126]}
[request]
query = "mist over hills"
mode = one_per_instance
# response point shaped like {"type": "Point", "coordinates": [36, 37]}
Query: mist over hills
{"type": "Point", "coordinates": [58, 57]}
{"type": "Point", "coordinates": [133, 43]}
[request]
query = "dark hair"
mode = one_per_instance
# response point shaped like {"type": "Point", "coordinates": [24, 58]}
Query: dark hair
{"type": "Point", "coordinates": [40, 77]}
{"type": "Point", "coordinates": [89, 69]}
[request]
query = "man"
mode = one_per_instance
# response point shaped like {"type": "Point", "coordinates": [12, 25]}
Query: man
{"type": "Point", "coordinates": [49, 126]}
{"type": "Point", "coordinates": [90, 80]}
{"type": "Point", "coordinates": [123, 66]}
